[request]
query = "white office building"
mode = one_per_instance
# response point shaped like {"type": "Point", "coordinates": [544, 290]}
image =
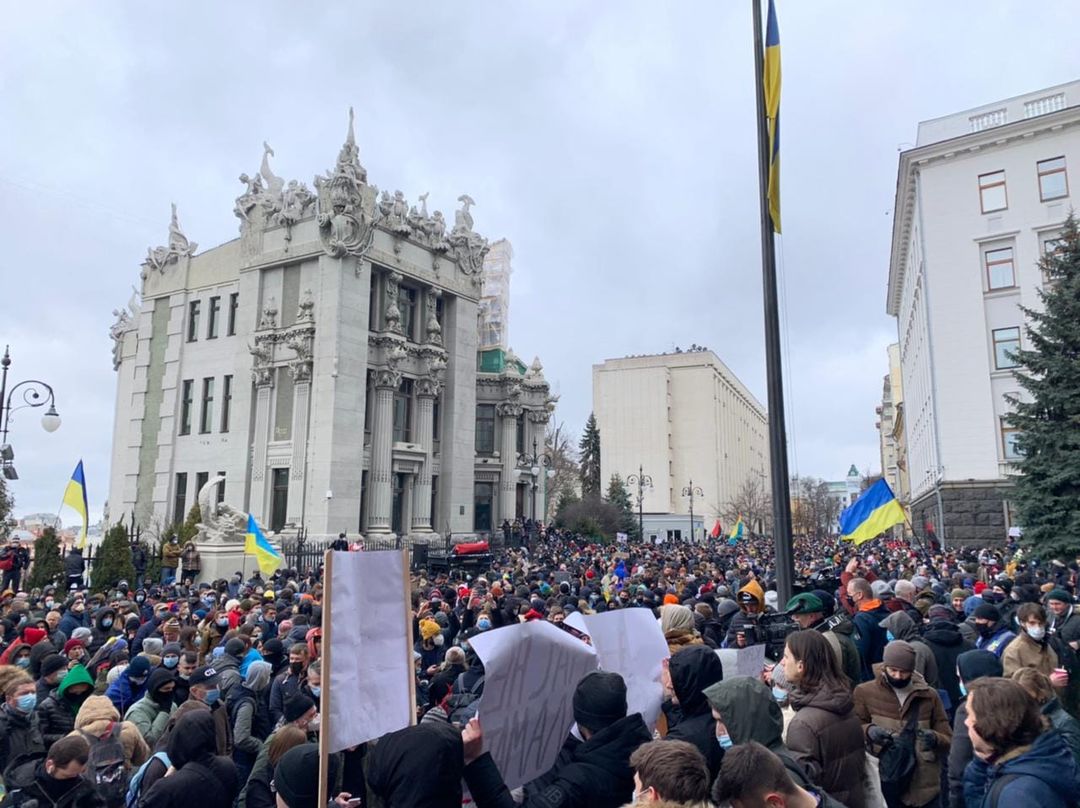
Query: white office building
{"type": "Point", "coordinates": [979, 199]}
{"type": "Point", "coordinates": [687, 422]}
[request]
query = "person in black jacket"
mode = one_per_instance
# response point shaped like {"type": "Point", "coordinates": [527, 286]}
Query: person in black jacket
{"type": "Point", "coordinates": [56, 712]}
{"type": "Point", "coordinates": [199, 774]}
{"type": "Point", "coordinates": [945, 640]}
{"type": "Point", "coordinates": [20, 736]}
{"type": "Point", "coordinates": [55, 781]}
{"type": "Point", "coordinates": [687, 674]}
{"type": "Point", "coordinates": [73, 569]}
{"type": "Point", "coordinates": [593, 772]}
{"type": "Point", "coordinates": [416, 767]}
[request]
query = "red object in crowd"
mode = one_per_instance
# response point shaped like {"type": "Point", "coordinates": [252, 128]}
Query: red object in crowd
{"type": "Point", "coordinates": [979, 587]}
{"type": "Point", "coordinates": [716, 530]}
{"type": "Point", "coordinates": [471, 548]}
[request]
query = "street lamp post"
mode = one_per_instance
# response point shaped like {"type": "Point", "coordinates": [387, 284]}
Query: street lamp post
{"type": "Point", "coordinates": [641, 480]}
{"type": "Point", "coordinates": [692, 491]}
{"type": "Point", "coordinates": [35, 394]}
{"type": "Point", "coordinates": [535, 463]}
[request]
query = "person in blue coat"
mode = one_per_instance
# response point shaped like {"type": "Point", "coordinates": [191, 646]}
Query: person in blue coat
{"type": "Point", "coordinates": [1018, 761]}
{"type": "Point", "coordinates": [130, 685]}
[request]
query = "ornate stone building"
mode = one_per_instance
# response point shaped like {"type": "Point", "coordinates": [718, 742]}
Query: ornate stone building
{"type": "Point", "coordinates": [326, 363]}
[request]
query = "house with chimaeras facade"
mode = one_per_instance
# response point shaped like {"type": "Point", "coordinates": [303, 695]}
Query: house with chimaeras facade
{"type": "Point", "coordinates": [326, 364]}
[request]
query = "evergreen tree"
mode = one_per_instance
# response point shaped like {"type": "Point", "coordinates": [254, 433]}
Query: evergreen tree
{"type": "Point", "coordinates": [619, 498]}
{"type": "Point", "coordinates": [1047, 492]}
{"type": "Point", "coordinates": [190, 529]}
{"type": "Point", "coordinates": [112, 562]}
{"type": "Point", "coordinates": [7, 504]}
{"type": "Point", "coordinates": [48, 567]}
{"type": "Point", "coordinates": [590, 459]}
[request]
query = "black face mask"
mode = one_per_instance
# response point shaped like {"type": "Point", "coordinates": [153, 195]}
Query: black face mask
{"type": "Point", "coordinates": [296, 667]}
{"type": "Point", "coordinates": [984, 629]}
{"type": "Point", "coordinates": [898, 683]}
{"type": "Point", "coordinates": [164, 699]}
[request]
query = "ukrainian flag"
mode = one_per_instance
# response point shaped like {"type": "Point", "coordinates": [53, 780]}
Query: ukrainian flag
{"type": "Point", "coordinates": [871, 514]}
{"type": "Point", "coordinates": [736, 532]}
{"type": "Point", "coordinates": [256, 544]}
{"type": "Point", "coordinates": [772, 112]}
{"type": "Point", "coordinates": [75, 498]}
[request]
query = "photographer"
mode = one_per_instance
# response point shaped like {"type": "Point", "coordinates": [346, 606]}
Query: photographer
{"type": "Point", "coordinates": [742, 632]}
{"type": "Point", "coordinates": [810, 612]}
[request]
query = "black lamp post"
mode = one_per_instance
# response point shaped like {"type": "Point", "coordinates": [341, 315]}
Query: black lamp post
{"type": "Point", "coordinates": [692, 491]}
{"type": "Point", "coordinates": [533, 464]}
{"type": "Point", "coordinates": [34, 394]}
{"type": "Point", "coordinates": [641, 480]}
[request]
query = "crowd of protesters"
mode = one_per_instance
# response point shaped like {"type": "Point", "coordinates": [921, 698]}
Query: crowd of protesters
{"type": "Point", "coordinates": [898, 675]}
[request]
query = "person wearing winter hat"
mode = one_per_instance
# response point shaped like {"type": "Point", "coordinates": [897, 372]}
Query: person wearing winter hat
{"type": "Point", "coordinates": [198, 774]}
{"type": "Point", "coordinates": [1064, 619]}
{"type": "Point", "coordinates": [19, 731]}
{"type": "Point", "coordinates": [53, 668]}
{"type": "Point", "coordinates": [593, 770]}
{"type": "Point", "coordinates": [130, 685]}
{"type": "Point", "coordinates": [946, 642]}
{"type": "Point", "coordinates": [431, 644]}
{"type": "Point", "coordinates": [75, 651]}
{"type": "Point", "coordinates": [151, 713]}
{"type": "Point", "coordinates": [808, 610]}
{"type": "Point", "coordinates": [885, 705]}
{"type": "Point", "coordinates": [994, 633]}
{"type": "Point", "coordinates": [677, 624]}
{"type": "Point", "coordinates": [170, 656]}
{"type": "Point", "coordinates": [958, 596]}
{"type": "Point", "coordinates": [418, 766]}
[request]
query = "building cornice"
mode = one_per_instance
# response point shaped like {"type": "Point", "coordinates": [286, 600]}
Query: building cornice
{"type": "Point", "coordinates": [913, 160]}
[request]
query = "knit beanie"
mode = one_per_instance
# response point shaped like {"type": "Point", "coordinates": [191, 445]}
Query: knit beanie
{"type": "Point", "coordinates": [152, 646]}
{"type": "Point", "coordinates": [600, 700]}
{"type": "Point", "coordinates": [82, 633]}
{"type": "Point", "coordinates": [975, 664]}
{"type": "Point", "coordinates": [428, 628]}
{"type": "Point", "coordinates": [296, 777]}
{"type": "Point", "coordinates": [52, 663]}
{"type": "Point", "coordinates": [971, 604]}
{"type": "Point", "coordinates": [235, 647]}
{"type": "Point", "coordinates": [963, 594]}
{"type": "Point", "coordinates": [72, 644]}
{"type": "Point", "coordinates": [140, 666]}
{"type": "Point", "coordinates": [987, 611]}
{"type": "Point", "coordinates": [296, 706]}
{"type": "Point", "coordinates": [899, 654]}
{"type": "Point", "coordinates": [1059, 594]}
{"type": "Point", "coordinates": [940, 612]}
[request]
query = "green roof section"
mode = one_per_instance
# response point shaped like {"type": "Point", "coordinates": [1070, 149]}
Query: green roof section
{"type": "Point", "coordinates": [494, 361]}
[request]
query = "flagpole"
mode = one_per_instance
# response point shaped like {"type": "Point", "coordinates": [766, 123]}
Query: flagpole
{"type": "Point", "coordinates": [778, 465]}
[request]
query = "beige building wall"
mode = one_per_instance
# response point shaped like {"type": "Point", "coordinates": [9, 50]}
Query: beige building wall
{"type": "Point", "coordinates": [679, 417]}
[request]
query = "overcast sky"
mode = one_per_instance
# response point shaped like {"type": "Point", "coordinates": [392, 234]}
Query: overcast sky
{"type": "Point", "coordinates": [612, 142]}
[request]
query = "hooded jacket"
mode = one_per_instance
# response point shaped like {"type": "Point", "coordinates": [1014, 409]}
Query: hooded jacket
{"type": "Point", "coordinates": [904, 628]}
{"type": "Point", "coordinates": [99, 633]}
{"type": "Point", "coordinates": [56, 713]}
{"type": "Point", "coordinates": [597, 773]}
{"type": "Point", "coordinates": [692, 670]}
{"type": "Point", "coordinates": [149, 715]}
{"type": "Point", "coordinates": [30, 782]}
{"type": "Point", "coordinates": [1064, 723]}
{"type": "Point", "coordinates": [947, 643]}
{"type": "Point", "coordinates": [1044, 774]}
{"type": "Point", "coordinates": [825, 736]}
{"type": "Point", "coordinates": [200, 774]}
{"type": "Point", "coordinates": [876, 703]}
{"type": "Point", "coordinates": [418, 766]}
{"type": "Point", "coordinates": [94, 718]}
{"type": "Point", "coordinates": [870, 639]}
{"type": "Point", "coordinates": [743, 620]}
{"type": "Point", "coordinates": [123, 693]}
{"type": "Point", "coordinates": [750, 713]}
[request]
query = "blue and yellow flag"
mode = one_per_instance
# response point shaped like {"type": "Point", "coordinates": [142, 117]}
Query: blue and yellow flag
{"type": "Point", "coordinates": [736, 532]}
{"type": "Point", "coordinates": [75, 498]}
{"type": "Point", "coordinates": [874, 512]}
{"type": "Point", "coordinates": [772, 112]}
{"type": "Point", "coordinates": [256, 544]}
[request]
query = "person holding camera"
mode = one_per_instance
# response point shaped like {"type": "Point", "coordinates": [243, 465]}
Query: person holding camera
{"type": "Point", "coordinates": [810, 611]}
{"type": "Point", "coordinates": [743, 630]}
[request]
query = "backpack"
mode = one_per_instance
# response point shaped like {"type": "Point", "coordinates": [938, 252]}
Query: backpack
{"type": "Point", "coordinates": [105, 766]}
{"type": "Point", "coordinates": [998, 787]}
{"type": "Point", "coordinates": [896, 764]}
{"type": "Point", "coordinates": [7, 560]}
{"type": "Point", "coordinates": [135, 786]}
{"type": "Point", "coordinates": [462, 705]}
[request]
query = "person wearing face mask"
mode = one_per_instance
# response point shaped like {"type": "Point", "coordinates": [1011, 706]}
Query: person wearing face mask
{"type": "Point", "coordinates": [1030, 649]}
{"type": "Point", "coordinates": [170, 559]}
{"type": "Point", "coordinates": [249, 712]}
{"type": "Point", "coordinates": [430, 646]}
{"type": "Point", "coordinates": [670, 774]}
{"type": "Point", "coordinates": [75, 617]}
{"type": "Point", "coordinates": [20, 732]}
{"type": "Point", "coordinates": [994, 633]}
{"type": "Point", "coordinates": [53, 668]}
{"type": "Point", "coordinates": [970, 667]}
{"type": "Point", "coordinates": [203, 688]}
{"type": "Point", "coordinates": [103, 629]}
{"type": "Point", "coordinates": [685, 676]}
{"type": "Point", "coordinates": [151, 713]}
{"type": "Point", "coordinates": [289, 682]}
{"type": "Point", "coordinates": [57, 780]}
{"type": "Point", "coordinates": [130, 685]}
{"type": "Point", "coordinates": [888, 703]}
{"type": "Point", "coordinates": [56, 712]}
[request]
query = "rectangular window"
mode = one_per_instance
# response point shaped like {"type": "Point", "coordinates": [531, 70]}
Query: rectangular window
{"type": "Point", "coordinates": [1009, 434]}
{"type": "Point", "coordinates": [234, 307]}
{"type": "Point", "coordinates": [213, 318]}
{"type": "Point", "coordinates": [519, 443]}
{"type": "Point", "coordinates": [485, 429]}
{"type": "Point", "coordinates": [373, 304]}
{"type": "Point", "coordinates": [179, 498]}
{"type": "Point", "coordinates": [283, 405]}
{"type": "Point", "coordinates": [407, 305]}
{"type": "Point", "coordinates": [279, 498]}
{"type": "Point", "coordinates": [482, 497]}
{"type": "Point", "coordinates": [1053, 181]}
{"type": "Point", "coordinates": [226, 402]}
{"type": "Point", "coordinates": [992, 195]}
{"type": "Point", "coordinates": [193, 321]}
{"type": "Point", "coordinates": [434, 500]}
{"type": "Point", "coordinates": [403, 412]}
{"type": "Point", "coordinates": [1006, 343]}
{"type": "Point", "coordinates": [201, 478]}
{"type": "Point", "coordinates": [369, 406]}
{"type": "Point", "coordinates": [206, 420]}
{"type": "Point", "coordinates": [436, 420]}
{"type": "Point", "coordinates": [187, 393]}
{"type": "Point", "coordinates": [221, 489]}
{"type": "Point", "coordinates": [999, 268]}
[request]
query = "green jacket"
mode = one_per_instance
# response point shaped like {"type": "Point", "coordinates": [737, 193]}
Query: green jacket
{"type": "Point", "coordinates": [151, 720]}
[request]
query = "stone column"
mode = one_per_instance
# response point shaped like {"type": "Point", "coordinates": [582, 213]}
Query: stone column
{"type": "Point", "coordinates": [426, 392]}
{"type": "Point", "coordinates": [508, 412]}
{"type": "Point", "coordinates": [537, 420]}
{"type": "Point", "coordinates": [264, 387]}
{"type": "Point", "coordinates": [301, 374]}
{"type": "Point", "coordinates": [382, 444]}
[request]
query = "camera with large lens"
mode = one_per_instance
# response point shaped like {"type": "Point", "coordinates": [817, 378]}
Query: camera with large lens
{"type": "Point", "coordinates": [771, 630]}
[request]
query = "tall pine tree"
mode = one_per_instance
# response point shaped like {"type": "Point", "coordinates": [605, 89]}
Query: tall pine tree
{"type": "Point", "coordinates": [619, 497]}
{"type": "Point", "coordinates": [112, 561]}
{"type": "Point", "coordinates": [1047, 492]}
{"type": "Point", "coordinates": [590, 459]}
{"type": "Point", "coordinates": [48, 567]}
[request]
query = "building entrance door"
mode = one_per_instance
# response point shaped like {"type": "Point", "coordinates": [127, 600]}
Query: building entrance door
{"type": "Point", "coordinates": [397, 510]}
{"type": "Point", "coordinates": [279, 499]}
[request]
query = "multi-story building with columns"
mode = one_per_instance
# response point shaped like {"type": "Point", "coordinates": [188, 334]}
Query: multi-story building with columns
{"type": "Point", "coordinates": [326, 364]}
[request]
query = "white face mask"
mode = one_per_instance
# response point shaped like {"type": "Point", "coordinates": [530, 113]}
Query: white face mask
{"type": "Point", "coordinates": [439, 640]}
{"type": "Point", "coordinates": [1036, 633]}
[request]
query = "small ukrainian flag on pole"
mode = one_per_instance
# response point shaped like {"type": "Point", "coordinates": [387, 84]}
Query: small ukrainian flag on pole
{"type": "Point", "coordinates": [255, 544]}
{"type": "Point", "coordinates": [736, 532]}
{"type": "Point", "coordinates": [874, 512]}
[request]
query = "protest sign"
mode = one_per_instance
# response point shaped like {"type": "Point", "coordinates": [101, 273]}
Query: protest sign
{"type": "Point", "coordinates": [367, 648]}
{"type": "Point", "coordinates": [742, 661]}
{"type": "Point", "coordinates": [530, 673]}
